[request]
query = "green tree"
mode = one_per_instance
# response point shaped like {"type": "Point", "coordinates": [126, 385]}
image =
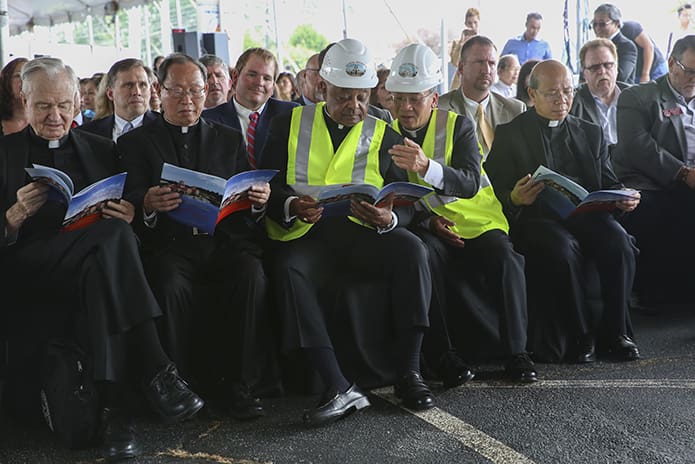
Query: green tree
{"type": "Point", "coordinates": [305, 36]}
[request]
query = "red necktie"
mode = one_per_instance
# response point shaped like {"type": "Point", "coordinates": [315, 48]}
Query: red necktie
{"type": "Point", "coordinates": [251, 139]}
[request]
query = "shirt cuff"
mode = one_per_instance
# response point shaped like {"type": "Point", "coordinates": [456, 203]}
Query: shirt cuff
{"type": "Point", "coordinates": [150, 220]}
{"type": "Point", "coordinates": [435, 175]}
{"type": "Point", "coordinates": [390, 227]}
{"type": "Point", "coordinates": [287, 216]}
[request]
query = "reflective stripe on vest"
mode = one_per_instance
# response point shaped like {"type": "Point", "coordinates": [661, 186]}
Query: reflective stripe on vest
{"type": "Point", "coordinates": [472, 216]}
{"type": "Point", "coordinates": [313, 162]}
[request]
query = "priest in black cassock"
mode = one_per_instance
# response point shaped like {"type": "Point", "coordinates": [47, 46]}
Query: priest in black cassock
{"type": "Point", "coordinates": [91, 279]}
{"type": "Point", "coordinates": [556, 248]}
{"type": "Point", "coordinates": [227, 329]}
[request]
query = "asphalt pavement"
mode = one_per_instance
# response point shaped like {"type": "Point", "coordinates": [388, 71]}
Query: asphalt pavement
{"type": "Point", "coordinates": [638, 412]}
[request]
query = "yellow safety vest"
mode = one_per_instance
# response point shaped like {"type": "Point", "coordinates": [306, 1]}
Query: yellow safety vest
{"type": "Point", "coordinates": [472, 216]}
{"type": "Point", "coordinates": [313, 162]}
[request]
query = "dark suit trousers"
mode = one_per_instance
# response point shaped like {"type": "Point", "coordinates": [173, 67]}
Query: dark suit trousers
{"type": "Point", "coordinates": [492, 257]}
{"type": "Point", "coordinates": [664, 225]}
{"type": "Point", "coordinates": [555, 254]}
{"type": "Point", "coordinates": [303, 267]}
{"type": "Point", "coordinates": [96, 270]}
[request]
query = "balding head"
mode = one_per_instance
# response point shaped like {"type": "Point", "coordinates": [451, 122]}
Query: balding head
{"type": "Point", "coordinates": [550, 88]}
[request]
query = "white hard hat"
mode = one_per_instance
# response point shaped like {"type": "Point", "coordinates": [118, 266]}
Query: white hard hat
{"type": "Point", "coordinates": [415, 69]}
{"type": "Point", "coordinates": [349, 64]}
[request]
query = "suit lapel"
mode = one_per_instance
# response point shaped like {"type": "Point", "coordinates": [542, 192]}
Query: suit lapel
{"type": "Point", "coordinates": [667, 105]}
{"type": "Point", "coordinates": [161, 139]}
{"type": "Point", "coordinates": [207, 148]}
{"type": "Point", "coordinates": [536, 148]}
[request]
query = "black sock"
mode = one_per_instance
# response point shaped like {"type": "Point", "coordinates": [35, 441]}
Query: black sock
{"type": "Point", "coordinates": [409, 348]}
{"type": "Point", "coordinates": [145, 346]}
{"type": "Point", "coordinates": [325, 362]}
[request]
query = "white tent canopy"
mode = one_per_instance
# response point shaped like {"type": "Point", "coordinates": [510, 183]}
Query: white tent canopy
{"type": "Point", "coordinates": [24, 14]}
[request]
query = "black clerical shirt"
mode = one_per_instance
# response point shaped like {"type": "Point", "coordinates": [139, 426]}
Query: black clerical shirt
{"type": "Point", "coordinates": [559, 152]}
{"type": "Point", "coordinates": [186, 141]}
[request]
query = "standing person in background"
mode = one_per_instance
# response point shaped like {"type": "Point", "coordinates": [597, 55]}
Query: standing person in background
{"type": "Point", "coordinates": [606, 24]}
{"type": "Point", "coordinates": [12, 113]}
{"type": "Point", "coordinates": [685, 27]}
{"type": "Point", "coordinates": [650, 60]}
{"type": "Point", "coordinates": [527, 45]}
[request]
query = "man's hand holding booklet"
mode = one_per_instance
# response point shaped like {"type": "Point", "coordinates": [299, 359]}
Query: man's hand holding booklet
{"type": "Point", "coordinates": [568, 198]}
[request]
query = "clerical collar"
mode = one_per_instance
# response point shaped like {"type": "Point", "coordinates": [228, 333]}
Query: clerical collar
{"type": "Point", "coordinates": [335, 123]}
{"type": "Point", "coordinates": [182, 129]}
{"type": "Point", "coordinates": [57, 143]}
{"type": "Point", "coordinates": [551, 123]}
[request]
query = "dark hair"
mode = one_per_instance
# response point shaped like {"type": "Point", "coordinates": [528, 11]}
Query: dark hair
{"type": "Point", "coordinates": [7, 98]}
{"type": "Point", "coordinates": [120, 66]}
{"type": "Point", "coordinates": [322, 53]}
{"type": "Point", "coordinates": [524, 72]}
{"type": "Point", "coordinates": [179, 58]}
{"type": "Point", "coordinates": [290, 76]}
{"type": "Point", "coordinates": [685, 6]}
{"type": "Point", "coordinates": [681, 45]}
{"type": "Point", "coordinates": [612, 11]}
{"type": "Point", "coordinates": [534, 15]}
{"type": "Point", "coordinates": [381, 74]}
{"type": "Point", "coordinates": [155, 68]}
{"type": "Point", "coordinates": [475, 40]}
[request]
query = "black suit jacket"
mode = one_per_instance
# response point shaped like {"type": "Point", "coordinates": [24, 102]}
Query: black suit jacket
{"type": "Point", "coordinates": [584, 105]}
{"type": "Point", "coordinates": [104, 126]}
{"type": "Point", "coordinates": [226, 114]}
{"type": "Point", "coordinates": [96, 154]}
{"type": "Point", "coordinates": [144, 151]}
{"type": "Point", "coordinates": [651, 140]}
{"type": "Point", "coordinates": [627, 58]}
{"type": "Point", "coordinates": [518, 150]}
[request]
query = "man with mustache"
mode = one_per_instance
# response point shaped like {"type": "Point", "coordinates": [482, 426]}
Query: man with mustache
{"type": "Point", "coordinates": [252, 106]}
{"type": "Point", "coordinates": [128, 88]}
{"type": "Point", "coordinates": [597, 99]}
{"type": "Point", "coordinates": [219, 81]}
{"type": "Point", "coordinates": [478, 70]}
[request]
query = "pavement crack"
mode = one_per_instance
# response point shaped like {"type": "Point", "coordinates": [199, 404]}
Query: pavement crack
{"type": "Point", "coordinates": [183, 454]}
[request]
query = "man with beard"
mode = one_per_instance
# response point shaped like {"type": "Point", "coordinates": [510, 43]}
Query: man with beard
{"type": "Point", "coordinates": [478, 69]}
{"type": "Point", "coordinates": [252, 107]}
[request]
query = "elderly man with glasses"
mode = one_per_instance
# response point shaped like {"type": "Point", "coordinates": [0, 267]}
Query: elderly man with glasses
{"type": "Point", "coordinates": [557, 247]}
{"type": "Point", "coordinates": [597, 99]}
{"type": "Point", "coordinates": [183, 264]}
{"type": "Point", "coordinates": [656, 154]}
{"type": "Point", "coordinates": [606, 24]}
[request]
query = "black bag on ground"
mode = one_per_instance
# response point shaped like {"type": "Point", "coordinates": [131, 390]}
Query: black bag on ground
{"type": "Point", "coordinates": [69, 398]}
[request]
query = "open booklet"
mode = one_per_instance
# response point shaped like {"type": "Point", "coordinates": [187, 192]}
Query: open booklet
{"type": "Point", "coordinates": [207, 199]}
{"type": "Point", "coordinates": [335, 199]}
{"type": "Point", "coordinates": [568, 198]}
{"type": "Point", "coordinates": [85, 206]}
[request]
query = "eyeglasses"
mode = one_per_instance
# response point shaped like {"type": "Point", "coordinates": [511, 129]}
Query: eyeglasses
{"type": "Point", "coordinates": [690, 72]}
{"type": "Point", "coordinates": [557, 94]}
{"type": "Point", "coordinates": [178, 92]}
{"type": "Point", "coordinates": [411, 100]}
{"type": "Point", "coordinates": [600, 24]}
{"type": "Point", "coordinates": [594, 68]}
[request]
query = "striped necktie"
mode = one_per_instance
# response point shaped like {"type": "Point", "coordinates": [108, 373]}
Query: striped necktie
{"type": "Point", "coordinates": [251, 139]}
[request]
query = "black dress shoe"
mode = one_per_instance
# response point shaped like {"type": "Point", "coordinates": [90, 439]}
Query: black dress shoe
{"type": "Point", "coordinates": [586, 350]}
{"type": "Point", "coordinates": [623, 349]}
{"type": "Point", "coordinates": [336, 407]}
{"type": "Point", "coordinates": [170, 396]}
{"type": "Point", "coordinates": [117, 432]}
{"type": "Point", "coordinates": [454, 371]}
{"type": "Point", "coordinates": [243, 405]}
{"type": "Point", "coordinates": [520, 368]}
{"type": "Point", "coordinates": [414, 392]}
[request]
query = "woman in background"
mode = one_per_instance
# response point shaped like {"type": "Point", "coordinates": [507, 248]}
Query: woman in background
{"type": "Point", "coordinates": [11, 106]}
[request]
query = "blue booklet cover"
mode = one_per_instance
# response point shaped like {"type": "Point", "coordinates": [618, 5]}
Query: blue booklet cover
{"type": "Point", "coordinates": [207, 199]}
{"type": "Point", "coordinates": [335, 199]}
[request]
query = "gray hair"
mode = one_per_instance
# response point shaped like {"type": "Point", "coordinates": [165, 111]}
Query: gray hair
{"type": "Point", "coordinates": [51, 67]}
{"type": "Point", "coordinates": [681, 45]}
{"type": "Point", "coordinates": [612, 12]}
{"type": "Point", "coordinates": [214, 60]}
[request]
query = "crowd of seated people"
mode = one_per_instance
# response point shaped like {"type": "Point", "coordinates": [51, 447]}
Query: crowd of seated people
{"type": "Point", "coordinates": [228, 311]}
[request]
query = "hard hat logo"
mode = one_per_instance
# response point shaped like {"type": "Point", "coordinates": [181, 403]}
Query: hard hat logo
{"type": "Point", "coordinates": [407, 70]}
{"type": "Point", "coordinates": [355, 69]}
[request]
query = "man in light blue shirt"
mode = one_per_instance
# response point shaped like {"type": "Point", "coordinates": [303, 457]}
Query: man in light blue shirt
{"type": "Point", "coordinates": [527, 46]}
